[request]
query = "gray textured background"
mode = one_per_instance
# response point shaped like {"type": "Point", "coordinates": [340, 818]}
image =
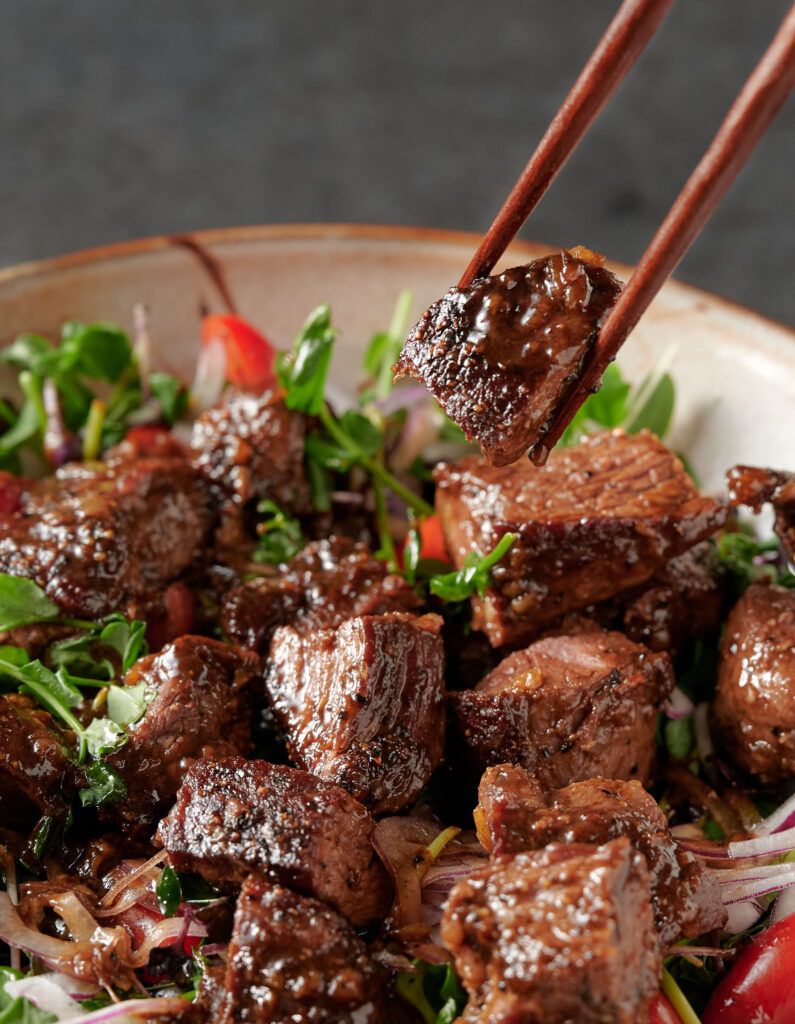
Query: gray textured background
{"type": "Point", "coordinates": [121, 118]}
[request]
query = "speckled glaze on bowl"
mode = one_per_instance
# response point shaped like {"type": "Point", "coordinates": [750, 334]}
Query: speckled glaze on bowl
{"type": "Point", "coordinates": [734, 370]}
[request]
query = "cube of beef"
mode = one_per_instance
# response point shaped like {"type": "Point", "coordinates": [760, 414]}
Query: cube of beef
{"type": "Point", "coordinates": [328, 582]}
{"type": "Point", "coordinates": [109, 537]}
{"type": "Point", "coordinates": [36, 773]}
{"type": "Point", "coordinates": [198, 709]}
{"type": "Point", "coordinates": [568, 708]}
{"type": "Point", "coordinates": [598, 520]}
{"type": "Point", "coordinates": [362, 705]}
{"type": "Point", "coordinates": [515, 814]}
{"type": "Point", "coordinates": [753, 487]}
{"type": "Point", "coordinates": [558, 935]}
{"type": "Point", "coordinates": [252, 446]}
{"type": "Point", "coordinates": [754, 709]}
{"type": "Point", "coordinates": [502, 355]}
{"type": "Point", "coordinates": [293, 960]}
{"type": "Point", "coordinates": [235, 817]}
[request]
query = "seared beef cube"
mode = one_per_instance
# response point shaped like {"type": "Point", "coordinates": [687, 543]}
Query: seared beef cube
{"type": "Point", "coordinates": [108, 537]}
{"type": "Point", "coordinates": [681, 603]}
{"type": "Point", "coordinates": [37, 637]}
{"type": "Point", "coordinates": [36, 773]}
{"type": "Point", "coordinates": [234, 817]}
{"type": "Point", "coordinates": [198, 710]}
{"type": "Point", "coordinates": [559, 935]}
{"type": "Point", "coordinates": [753, 487]}
{"type": "Point", "coordinates": [362, 705]}
{"type": "Point", "coordinates": [293, 960]}
{"type": "Point", "coordinates": [502, 355]}
{"type": "Point", "coordinates": [568, 708]}
{"type": "Point", "coordinates": [209, 999]}
{"type": "Point", "coordinates": [599, 519]}
{"type": "Point", "coordinates": [252, 611]}
{"type": "Point", "coordinates": [252, 446]}
{"type": "Point", "coordinates": [754, 707]}
{"type": "Point", "coordinates": [322, 586]}
{"type": "Point", "coordinates": [515, 815]}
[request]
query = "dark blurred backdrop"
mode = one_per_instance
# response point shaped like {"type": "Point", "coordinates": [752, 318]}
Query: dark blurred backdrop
{"type": "Point", "coordinates": [121, 118]}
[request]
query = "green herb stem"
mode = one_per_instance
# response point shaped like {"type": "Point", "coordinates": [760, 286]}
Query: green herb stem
{"type": "Point", "coordinates": [92, 437]}
{"type": "Point", "coordinates": [31, 389]}
{"type": "Point", "coordinates": [387, 544]}
{"type": "Point", "coordinates": [678, 999]}
{"type": "Point", "coordinates": [345, 441]}
{"type": "Point", "coordinates": [45, 698]}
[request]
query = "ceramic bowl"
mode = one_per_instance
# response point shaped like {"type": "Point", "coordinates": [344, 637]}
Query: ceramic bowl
{"type": "Point", "coordinates": [734, 370]}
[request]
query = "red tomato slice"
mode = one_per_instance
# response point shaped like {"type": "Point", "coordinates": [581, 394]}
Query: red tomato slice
{"type": "Point", "coordinates": [661, 1011]}
{"type": "Point", "coordinates": [760, 987]}
{"type": "Point", "coordinates": [431, 541]}
{"type": "Point", "coordinates": [249, 356]}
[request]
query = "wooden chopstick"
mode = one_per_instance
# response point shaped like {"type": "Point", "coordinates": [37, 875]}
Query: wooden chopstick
{"type": "Point", "coordinates": [628, 33]}
{"type": "Point", "coordinates": [759, 101]}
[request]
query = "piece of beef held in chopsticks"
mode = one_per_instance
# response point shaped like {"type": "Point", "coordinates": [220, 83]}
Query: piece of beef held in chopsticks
{"type": "Point", "coordinates": [557, 935]}
{"type": "Point", "coordinates": [501, 355]}
{"type": "Point", "coordinates": [362, 705]}
{"type": "Point", "coordinates": [235, 817]}
{"type": "Point", "coordinates": [294, 959]}
{"type": "Point", "coordinates": [568, 708]}
{"type": "Point", "coordinates": [515, 814]}
{"type": "Point", "coordinates": [598, 520]}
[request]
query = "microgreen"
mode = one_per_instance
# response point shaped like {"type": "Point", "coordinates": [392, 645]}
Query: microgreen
{"type": "Point", "coordinates": [104, 785]}
{"type": "Point", "coordinates": [433, 990]}
{"type": "Point", "coordinates": [23, 602]}
{"type": "Point", "coordinates": [302, 373]}
{"type": "Point", "coordinates": [280, 535]}
{"type": "Point", "coordinates": [168, 891]}
{"type": "Point", "coordinates": [649, 406]}
{"type": "Point", "coordinates": [384, 348]}
{"type": "Point", "coordinates": [475, 575]}
{"type": "Point", "coordinates": [171, 393]}
{"type": "Point", "coordinates": [747, 559]}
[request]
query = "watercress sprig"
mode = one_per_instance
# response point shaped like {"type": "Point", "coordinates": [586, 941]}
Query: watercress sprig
{"type": "Point", "coordinates": [352, 439]}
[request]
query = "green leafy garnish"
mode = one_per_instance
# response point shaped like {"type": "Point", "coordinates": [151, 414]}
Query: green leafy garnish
{"type": "Point", "coordinates": [679, 737]}
{"type": "Point", "coordinates": [23, 602]}
{"type": "Point", "coordinates": [171, 393]}
{"type": "Point", "coordinates": [19, 1010]}
{"type": "Point", "coordinates": [280, 535]}
{"type": "Point", "coordinates": [649, 406]}
{"type": "Point", "coordinates": [302, 373]}
{"type": "Point", "coordinates": [749, 559]}
{"type": "Point", "coordinates": [433, 990]}
{"type": "Point", "coordinates": [104, 785]}
{"type": "Point", "coordinates": [475, 575]}
{"type": "Point", "coordinates": [86, 654]}
{"type": "Point", "coordinates": [127, 704]}
{"type": "Point", "coordinates": [168, 892]}
{"type": "Point", "coordinates": [384, 348]}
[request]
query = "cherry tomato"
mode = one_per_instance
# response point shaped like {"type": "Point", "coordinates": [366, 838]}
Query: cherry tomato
{"type": "Point", "coordinates": [152, 440]}
{"type": "Point", "coordinates": [249, 356]}
{"type": "Point", "coordinates": [432, 540]}
{"type": "Point", "coordinates": [760, 986]}
{"type": "Point", "coordinates": [661, 1011]}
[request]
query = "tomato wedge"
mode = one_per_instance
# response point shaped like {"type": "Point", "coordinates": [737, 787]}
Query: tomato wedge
{"type": "Point", "coordinates": [432, 544]}
{"type": "Point", "coordinates": [249, 356]}
{"type": "Point", "coordinates": [760, 987]}
{"type": "Point", "coordinates": [661, 1011]}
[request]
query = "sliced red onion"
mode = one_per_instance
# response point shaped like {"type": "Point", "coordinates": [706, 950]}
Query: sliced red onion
{"type": "Point", "coordinates": [756, 887]}
{"type": "Point", "coordinates": [765, 845]}
{"type": "Point", "coordinates": [678, 705]}
{"type": "Point", "coordinates": [784, 905]}
{"type": "Point", "coordinates": [707, 849]}
{"type": "Point", "coordinates": [210, 377]}
{"type": "Point", "coordinates": [127, 879]}
{"type": "Point", "coordinates": [149, 1008]}
{"type": "Point", "coordinates": [55, 993]}
{"type": "Point", "coordinates": [142, 345]}
{"type": "Point", "coordinates": [401, 398]}
{"type": "Point", "coordinates": [420, 430]}
{"type": "Point", "coordinates": [782, 818]}
{"type": "Point", "coordinates": [743, 916]}
{"type": "Point", "coordinates": [753, 873]}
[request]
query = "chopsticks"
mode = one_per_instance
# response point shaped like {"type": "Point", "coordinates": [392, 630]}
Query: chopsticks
{"type": "Point", "coordinates": [625, 39]}
{"type": "Point", "coordinates": [749, 116]}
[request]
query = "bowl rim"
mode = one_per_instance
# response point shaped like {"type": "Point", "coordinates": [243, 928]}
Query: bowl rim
{"type": "Point", "coordinates": [330, 230]}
